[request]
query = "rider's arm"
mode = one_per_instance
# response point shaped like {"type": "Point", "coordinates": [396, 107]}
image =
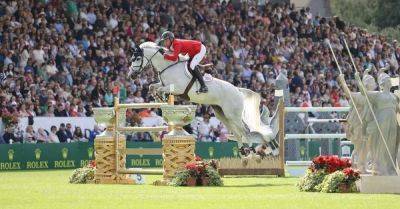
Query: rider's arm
{"type": "Point", "coordinates": [174, 56]}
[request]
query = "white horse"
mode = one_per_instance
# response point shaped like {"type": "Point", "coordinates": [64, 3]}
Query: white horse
{"type": "Point", "coordinates": [237, 108]}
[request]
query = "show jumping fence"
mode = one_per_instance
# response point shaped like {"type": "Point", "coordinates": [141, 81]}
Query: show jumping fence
{"type": "Point", "coordinates": [111, 151]}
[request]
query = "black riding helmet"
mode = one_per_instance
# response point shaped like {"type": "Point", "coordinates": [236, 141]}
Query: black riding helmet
{"type": "Point", "coordinates": [167, 35]}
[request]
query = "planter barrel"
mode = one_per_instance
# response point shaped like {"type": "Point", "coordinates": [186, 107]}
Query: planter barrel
{"type": "Point", "coordinates": [205, 181]}
{"type": "Point", "coordinates": [191, 181]}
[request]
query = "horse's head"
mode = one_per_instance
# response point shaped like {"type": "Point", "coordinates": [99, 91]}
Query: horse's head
{"type": "Point", "coordinates": [142, 57]}
{"type": "Point", "coordinates": [138, 62]}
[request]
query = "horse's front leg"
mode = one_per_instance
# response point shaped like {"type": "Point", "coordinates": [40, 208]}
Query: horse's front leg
{"type": "Point", "coordinates": [153, 89]}
{"type": "Point", "coordinates": [165, 89]}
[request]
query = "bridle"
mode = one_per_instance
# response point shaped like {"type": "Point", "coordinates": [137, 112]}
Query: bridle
{"type": "Point", "coordinates": [138, 52]}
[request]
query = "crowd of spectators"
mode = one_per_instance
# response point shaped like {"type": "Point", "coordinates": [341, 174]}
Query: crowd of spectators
{"type": "Point", "coordinates": [62, 58]}
{"type": "Point", "coordinates": [65, 133]}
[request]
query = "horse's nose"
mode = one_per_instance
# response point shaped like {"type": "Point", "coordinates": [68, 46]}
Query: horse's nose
{"type": "Point", "coordinates": [132, 75]}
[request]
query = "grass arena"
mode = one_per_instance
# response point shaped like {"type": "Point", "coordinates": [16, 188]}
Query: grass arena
{"type": "Point", "coordinates": [50, 189]}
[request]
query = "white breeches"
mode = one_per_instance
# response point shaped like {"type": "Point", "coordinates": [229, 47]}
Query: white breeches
{"type": "Point", "coordinates": [198, 57]}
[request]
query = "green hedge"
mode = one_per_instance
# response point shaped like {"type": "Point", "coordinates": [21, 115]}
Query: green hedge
{"type": "Point", "coordinates": [377, 16]}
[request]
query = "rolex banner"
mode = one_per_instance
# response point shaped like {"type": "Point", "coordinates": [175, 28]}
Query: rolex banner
{"type": "Point", "coordinates": [75, 155]}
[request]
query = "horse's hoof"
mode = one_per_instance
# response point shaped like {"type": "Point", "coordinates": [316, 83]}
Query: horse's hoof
{"type": "Point", "coordinates": [244, 151]}
{"type": "Point", "coordinates": [275, 152]}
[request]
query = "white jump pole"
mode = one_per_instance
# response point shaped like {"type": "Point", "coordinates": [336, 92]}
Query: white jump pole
{"type": "Point", "coordinates": [315, 136]}
{"type": "Point", "coordinates": [313, 120]}
{"type": "Point", "coordinates": [317, 109]}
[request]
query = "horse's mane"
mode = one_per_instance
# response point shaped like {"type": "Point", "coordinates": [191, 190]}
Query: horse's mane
{"type": "Point", "coordinates": [149, 44]}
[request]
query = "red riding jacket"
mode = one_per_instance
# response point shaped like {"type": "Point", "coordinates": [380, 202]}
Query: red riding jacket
{"type": "Point", "coordinates": [181, 46]}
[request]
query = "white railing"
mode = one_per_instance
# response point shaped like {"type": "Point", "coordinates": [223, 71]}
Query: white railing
{"type": "Point", "coordinates": [315, 136]}
{"type": "Point", "coordinates": [317, 109]}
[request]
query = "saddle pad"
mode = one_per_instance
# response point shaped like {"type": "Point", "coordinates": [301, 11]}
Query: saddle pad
{"type": "Point", "coordinates": [207, 77]}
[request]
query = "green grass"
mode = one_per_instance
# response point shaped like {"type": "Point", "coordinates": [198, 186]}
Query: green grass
{"type": "Point", "coordinates": [50, 189]}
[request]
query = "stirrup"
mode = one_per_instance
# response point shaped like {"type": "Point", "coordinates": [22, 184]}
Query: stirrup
{"type": "Point", "coordinates": [203, 89]}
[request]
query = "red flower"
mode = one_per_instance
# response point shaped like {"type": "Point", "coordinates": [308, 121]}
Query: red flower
{"type": "Point", "coordinates": [351, 175]}
{"type": "Point", "coordinates": [92, 164]}
{"type": "Point", "coordinates": [191, 166]}
{"type": "Point", "coordinates": [348, 171]}
{"type": "Point", "coordinates": [330, 163]}
{"type": "Point", "coordinates": [197, 158]}
{"type": "Point", "coordinates": [319, 160]}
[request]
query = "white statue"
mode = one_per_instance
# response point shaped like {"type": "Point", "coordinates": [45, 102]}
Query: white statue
{"type": "Point", "coordinates": [356, 131]}
{"type": "Point", "coordinates": [385, 107]}
{"type": "Point", "coordinates": [236, 108]}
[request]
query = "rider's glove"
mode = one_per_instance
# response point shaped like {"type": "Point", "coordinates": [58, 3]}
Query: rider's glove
{"type": "Point", "coordinates": [161, 50]}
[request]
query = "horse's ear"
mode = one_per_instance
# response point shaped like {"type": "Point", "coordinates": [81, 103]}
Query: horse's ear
{"type": "Point", "coordinates": [138, 49]}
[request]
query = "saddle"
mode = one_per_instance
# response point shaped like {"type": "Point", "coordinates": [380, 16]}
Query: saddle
{"type": "Point", "coordinates": [206, 67]}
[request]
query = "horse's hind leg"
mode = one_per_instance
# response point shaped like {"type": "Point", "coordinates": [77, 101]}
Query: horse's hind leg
{"type": "Point", "coordinates": [219, 113]}
{"type": "Point", "coordinates": [233, 117]}
{"type": "Point", "coordinates": [221, 117]}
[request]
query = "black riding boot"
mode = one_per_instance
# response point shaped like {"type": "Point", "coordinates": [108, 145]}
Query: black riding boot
{"type": "Point", "coordinates": [197, 74]}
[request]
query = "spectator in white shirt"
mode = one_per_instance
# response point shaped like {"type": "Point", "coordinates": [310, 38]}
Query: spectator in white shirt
{"type": "Point", "coordinates": [53, 138]}
{"type": "Point", "coordinates": [41, 136]}
{"type": "Point", "coordinates": [205, 129]}
{"type": "Point", "coordinates": [112, 22]}
{"type": "Point", "coordinates": [38, 54]}
{"type": "Point", "coordinates": [91, 16]}
{"type": "Point", "coordinates": [24, 56]}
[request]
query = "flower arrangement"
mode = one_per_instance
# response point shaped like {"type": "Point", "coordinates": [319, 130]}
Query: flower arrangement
{"type": "Point", "coordinates": [329, 174]}
{"type": "Point", "coordinates": [329, 163]}
{"type": "Point", "coordinates": [310, 182]}
{"type": "Point", "coordinates": [340, 181]}
{"type": "Point", "coordinates": [8, 118]}
{"type": "Point", "coordinates": [198, 173]}
{"type": "Point", "coordinates": [83, 175]}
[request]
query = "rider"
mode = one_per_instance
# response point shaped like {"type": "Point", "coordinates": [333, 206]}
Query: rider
{"type": "Point", "coordinates": [195, 49]}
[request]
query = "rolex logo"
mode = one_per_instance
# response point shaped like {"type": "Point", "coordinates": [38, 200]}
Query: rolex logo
{"type": "Point", "coordinates": [90, 152]}
{"type": "Point", "coordinates": [211, 151]}
{"type": "Point", "coordinates": [38, 152]}
{"type": "Point", "coordinates": [235, 151]}
{"type": "Point", "coordinates": [141, 155]}
{"type": "Point", "coordinates": [302, 151]}
{"type": "Point", "coordinates": [10, 154]}
{"type": "Point", "coordinates": [64, 152]}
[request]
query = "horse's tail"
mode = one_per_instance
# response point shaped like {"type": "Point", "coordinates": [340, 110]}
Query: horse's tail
{"type": "Point", "coordinates": [256, 122]}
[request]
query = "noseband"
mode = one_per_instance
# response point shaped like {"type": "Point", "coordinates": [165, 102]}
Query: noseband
{"type": "Point", "coordinates": [139, 53]}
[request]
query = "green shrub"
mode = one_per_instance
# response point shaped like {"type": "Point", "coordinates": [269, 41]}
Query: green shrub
{"type": "Point", "coordinates": [376, 16]}
{"type": "Point", "coordinates": [310, 182]}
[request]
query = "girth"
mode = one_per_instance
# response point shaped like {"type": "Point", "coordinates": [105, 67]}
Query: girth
{"type": "Point", "coordinates": [190, 85]}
